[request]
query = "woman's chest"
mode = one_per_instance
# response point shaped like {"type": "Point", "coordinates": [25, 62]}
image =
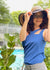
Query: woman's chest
{"type": "Point", "coordinates": [33, 38]}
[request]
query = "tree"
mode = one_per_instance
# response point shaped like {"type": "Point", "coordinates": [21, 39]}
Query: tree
{"type": "Point", "coordinates": [15, 16]}
{"type": "Point", "coordinates": [43, 3]}
{"type": "Point", "coordinates": [4, 12]}
{"type": "Point", "coordinates": [7, 58]}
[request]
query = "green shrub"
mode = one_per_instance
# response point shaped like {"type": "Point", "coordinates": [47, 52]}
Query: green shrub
{"type": "Point", "coordinates": [47, 54]}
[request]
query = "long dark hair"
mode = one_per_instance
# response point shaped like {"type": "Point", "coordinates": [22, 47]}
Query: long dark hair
{"type": "Point", "coordinates": [43, 25]}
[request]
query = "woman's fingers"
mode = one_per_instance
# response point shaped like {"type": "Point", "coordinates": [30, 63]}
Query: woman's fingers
{"type": "Point", "coordinates": [29, 13]}
{"type": "Point", "coordinates": [48, 11]}
{"type": "Point", "coordinates": [27, 16]}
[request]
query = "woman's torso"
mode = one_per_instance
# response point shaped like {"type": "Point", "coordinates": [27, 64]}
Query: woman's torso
{"type": "Point", "coordinates": [34, 45]}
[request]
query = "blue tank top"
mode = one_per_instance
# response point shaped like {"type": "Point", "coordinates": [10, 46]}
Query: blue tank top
{"type": "Point", "coordinates": [34, 45]}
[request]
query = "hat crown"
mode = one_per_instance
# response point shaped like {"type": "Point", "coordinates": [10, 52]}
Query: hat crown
{"type": "Point", "coordinates": [34, 8]}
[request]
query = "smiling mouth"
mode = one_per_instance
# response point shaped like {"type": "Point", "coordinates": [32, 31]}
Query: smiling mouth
{"type": "Point", "coordinates": [37, 21]}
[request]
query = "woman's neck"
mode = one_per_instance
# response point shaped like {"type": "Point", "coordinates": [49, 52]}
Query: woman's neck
{"type": "Point", "coordinates": [36, 28]}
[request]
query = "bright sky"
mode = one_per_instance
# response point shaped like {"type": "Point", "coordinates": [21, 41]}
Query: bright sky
{"type": "Point", "coordinates": [20, 4]}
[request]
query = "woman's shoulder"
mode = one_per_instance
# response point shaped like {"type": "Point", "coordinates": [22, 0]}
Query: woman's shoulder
{"type": "Point", "coordinates": [44, 33]}
{"type": "Point", "coordinates": [44, 30]}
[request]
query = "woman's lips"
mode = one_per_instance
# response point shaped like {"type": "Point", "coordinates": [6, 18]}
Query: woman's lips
{"type": "Point", "coordinates": [37, 21]}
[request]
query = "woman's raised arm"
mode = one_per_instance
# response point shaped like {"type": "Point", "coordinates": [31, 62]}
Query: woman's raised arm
{"type": "Point", "coordinates": [23, 32]}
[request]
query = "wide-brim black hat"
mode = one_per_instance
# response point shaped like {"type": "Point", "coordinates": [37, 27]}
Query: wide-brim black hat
{"type": "Point", "coordinates": [34, 9]}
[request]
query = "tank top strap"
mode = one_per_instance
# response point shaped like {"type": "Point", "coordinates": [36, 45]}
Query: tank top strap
{"type": "Point", "coordinates": [42, 33]}
{"type": "Point", "coordinates": [35, 30]}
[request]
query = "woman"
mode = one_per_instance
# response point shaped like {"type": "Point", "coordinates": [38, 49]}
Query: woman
{"type": "Point", "coordinates": [34, 34]}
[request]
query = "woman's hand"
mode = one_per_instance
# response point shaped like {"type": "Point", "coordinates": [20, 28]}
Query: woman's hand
{"type": "Point", "coordinates": [27, 16]}
{"type": "Point", "coordinates": [48, 12]}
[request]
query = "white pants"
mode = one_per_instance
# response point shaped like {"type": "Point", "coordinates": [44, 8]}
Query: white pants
{"type": "Point", "coordinates": [38, 66]}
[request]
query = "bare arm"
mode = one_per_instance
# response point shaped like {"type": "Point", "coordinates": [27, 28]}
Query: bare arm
{"type": "Point", "coordinates": [47, 31]}
{"type": "Point", "coordinates": [23, 32]}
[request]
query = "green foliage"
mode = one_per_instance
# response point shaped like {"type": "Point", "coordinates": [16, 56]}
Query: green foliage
{"type": "Point", "coordinates": [6, 68]}
{"type": "Point", "coordinates": [11, 44]}
{"type": "Point", "coordinates": [15, 16]}
{"type": "Point", "coordinates": [7, 37]}
{"type": "Point", "coordinates": [7, 59]}
{"type": "Point", "coordinates": [10, 40]}
{"type": "Point", "coordinates": [43, 4]}
{"type": "Point", "coordinates": [11, 20]}
{"type": "Point", "coordinates": [47, 60]}
{"type": "Point", "coordinates": [48, 42]}
{"type": "Point", "coordinates": [4, 12]}
{"type": "Point", "coordinates": [17, 39]}
{"type": "Point", "coordinates": [8, 51]}
{"type": "Point", "coordinates": [11, 60]}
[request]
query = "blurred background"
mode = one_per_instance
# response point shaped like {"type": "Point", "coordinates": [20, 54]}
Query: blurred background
{"type": "Point", "coordinates": [11, 50]}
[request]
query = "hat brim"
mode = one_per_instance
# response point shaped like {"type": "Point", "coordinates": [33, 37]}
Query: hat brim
{"type": "Point", "coordinates": [21, 18]}
{"type": "Point", "coordinates": [39, 10]}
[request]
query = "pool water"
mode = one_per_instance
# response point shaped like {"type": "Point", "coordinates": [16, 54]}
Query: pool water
{"type": "Point", "coordinates": [17, 65]}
